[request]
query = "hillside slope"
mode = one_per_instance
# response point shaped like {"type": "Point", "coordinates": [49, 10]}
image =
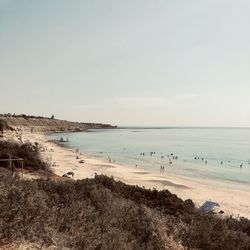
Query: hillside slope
{"type": "Point", "coordinates": [44, 124]}
{"type": "Point", "coordinates": [101, 213]}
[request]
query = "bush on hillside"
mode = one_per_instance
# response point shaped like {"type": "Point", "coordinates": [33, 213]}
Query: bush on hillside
{"type": "Point", "coordinates": [26, 151]}
{"type": "Point", "coordinates": [102, 213]}
{"type": "Point", "coordinates": [74, 215]}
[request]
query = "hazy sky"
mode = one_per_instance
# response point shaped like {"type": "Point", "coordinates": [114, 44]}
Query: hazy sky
{"type": "Point", "coordinates": [169, 62]}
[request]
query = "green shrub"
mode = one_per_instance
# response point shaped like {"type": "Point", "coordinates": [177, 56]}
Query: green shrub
{"type": "Point", "coordinates": [102, 213]}
{"type": "Point", "coordinates": [27, 151]}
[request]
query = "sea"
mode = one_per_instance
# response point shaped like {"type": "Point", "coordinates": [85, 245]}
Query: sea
{"type": "Point", "coordinates": [221, 154]}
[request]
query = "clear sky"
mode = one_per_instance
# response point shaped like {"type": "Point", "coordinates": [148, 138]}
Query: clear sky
{"type": "Point", "coordinates": [133, 62]}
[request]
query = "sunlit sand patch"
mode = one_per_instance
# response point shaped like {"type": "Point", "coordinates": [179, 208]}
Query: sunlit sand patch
{"type": "Point", "coordinates": [169, 183]}
{"type": "Point", "coordinates": [141, 172]}
{"type": "Point", "coordinates": [104, 165]}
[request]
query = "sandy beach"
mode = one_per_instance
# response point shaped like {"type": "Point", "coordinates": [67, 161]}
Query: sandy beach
{"type": "Point", "coordinates": [233, 201]}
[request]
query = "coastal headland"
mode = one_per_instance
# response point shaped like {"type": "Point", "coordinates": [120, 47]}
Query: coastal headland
{"type": "Point", "coordinates": [29, 123]}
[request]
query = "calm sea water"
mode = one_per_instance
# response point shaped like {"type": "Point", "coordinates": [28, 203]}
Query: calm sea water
{"type": "Point", "coordinates": [224, 149]}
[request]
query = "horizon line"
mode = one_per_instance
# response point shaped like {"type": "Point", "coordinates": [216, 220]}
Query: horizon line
{"type": "Point", "coordinates": [181, 127]}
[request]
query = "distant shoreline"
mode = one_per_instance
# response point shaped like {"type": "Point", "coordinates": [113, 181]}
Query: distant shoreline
{"type": "Point", "coordinates": [178, 127]}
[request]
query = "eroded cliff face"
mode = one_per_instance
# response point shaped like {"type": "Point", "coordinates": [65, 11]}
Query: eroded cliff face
{"type": "Point", "coordinates": [35, 124]}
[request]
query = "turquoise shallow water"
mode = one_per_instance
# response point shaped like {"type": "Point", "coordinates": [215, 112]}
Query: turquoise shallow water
{"type": "Point", "coordinates": [216, 145]}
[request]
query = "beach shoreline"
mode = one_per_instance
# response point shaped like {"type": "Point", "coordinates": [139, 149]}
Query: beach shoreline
{"type": "Point", "coordinates": [232, 201]}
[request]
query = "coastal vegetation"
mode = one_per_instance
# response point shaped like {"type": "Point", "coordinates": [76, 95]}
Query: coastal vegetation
{"type": "Point", "coordinates": [23, 116]}
{"type": "Point", "coordinates": [27, 151]}
{"type": "Point", "coordinates": [102, 213]}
